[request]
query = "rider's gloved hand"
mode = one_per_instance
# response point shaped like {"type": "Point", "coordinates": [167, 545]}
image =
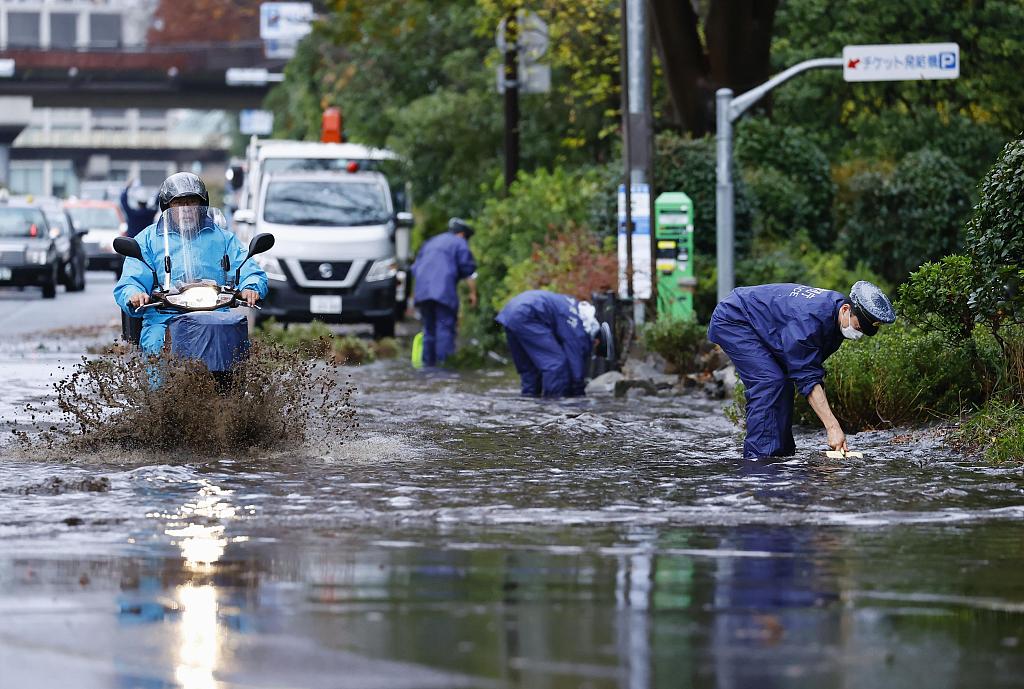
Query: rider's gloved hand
{"type": "Point", "coordinates": [250, 297]}
{"type": "Point", "coordinates": [137, 300]}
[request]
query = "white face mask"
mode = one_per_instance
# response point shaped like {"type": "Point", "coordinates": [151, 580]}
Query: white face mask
{"type": "Point", "coordinates": [849, 332]}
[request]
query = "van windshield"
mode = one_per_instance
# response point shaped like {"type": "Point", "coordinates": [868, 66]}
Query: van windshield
{"type": "Point", "coordinates": [325, 204]}
{"type": "Point", "coordinates": [21, 222]}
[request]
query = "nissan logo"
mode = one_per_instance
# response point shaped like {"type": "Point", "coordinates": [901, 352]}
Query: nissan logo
{"type": "Point", "coordinates": [326, 271]}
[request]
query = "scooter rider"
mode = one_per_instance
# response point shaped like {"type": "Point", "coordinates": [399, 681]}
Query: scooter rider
{"type": "Point", "coordinates": [778, 336]}
{"type": "Point", "coordinates": [185, 194]}
{"type": "Point", "coordinates": [550, 337]}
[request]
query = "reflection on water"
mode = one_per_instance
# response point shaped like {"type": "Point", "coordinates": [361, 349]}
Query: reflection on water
{"type": "Point", "coordinates": [199, 645]}
{"type": "Point", "coordinates": [475, 539]}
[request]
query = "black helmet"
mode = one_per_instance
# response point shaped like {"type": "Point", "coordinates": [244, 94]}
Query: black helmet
{"type": "Point", "coordinates": [457, 225]}
{"type": "Point", "coordinates": [179, 185]}
{"type": "Point", "coordinates": [871, 307]}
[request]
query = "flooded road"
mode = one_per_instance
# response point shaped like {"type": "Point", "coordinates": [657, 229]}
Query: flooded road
{"type": "Point", "coordinates": [472, 538]}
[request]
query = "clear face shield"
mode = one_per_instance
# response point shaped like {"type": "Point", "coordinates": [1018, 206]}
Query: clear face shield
{"type": "Point", "coordinates": [192, 281]}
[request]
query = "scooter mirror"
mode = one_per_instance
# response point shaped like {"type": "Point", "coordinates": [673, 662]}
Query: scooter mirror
{"type": "Point", "coordinates": [127, 246]}
{"type": "Point", "coordinates": [260, 243]}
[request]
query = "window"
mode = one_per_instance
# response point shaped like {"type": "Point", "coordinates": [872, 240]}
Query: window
{"type": "Point", "coordinates": [152, 177]}
{"type": "Point", "coordinates": [109, 118]}
{"type": "Point", "coordinates": [105, 30]}
{"type": "Point", "coordinates": [22, 222]}
{"type": "Point", "coordinates": [27, 178]}
{"type": "Point", "coordinates": [23, 29]}
{"type": "Point", "coordinates": [325, 204]}
{"type": "Point", "coordinates": [63, 30]}
{"type": "Point", "coordinates": [65, 182]}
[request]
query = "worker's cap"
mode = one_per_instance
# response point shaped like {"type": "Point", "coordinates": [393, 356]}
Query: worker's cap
{"type": "Point", "coordinates": [871, 307]}
{"type": "Point", "coordinates": [457, 225]}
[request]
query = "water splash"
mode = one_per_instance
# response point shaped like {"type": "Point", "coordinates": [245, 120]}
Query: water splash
{"type": "Point", "coordinates": [275, 399]}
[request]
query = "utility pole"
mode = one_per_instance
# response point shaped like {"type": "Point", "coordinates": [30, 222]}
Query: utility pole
{"type": "Point", "coordinates": [511, 98]}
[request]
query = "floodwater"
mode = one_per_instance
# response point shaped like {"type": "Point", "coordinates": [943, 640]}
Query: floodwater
{"type": "Point", "coordinates": [476, 539]}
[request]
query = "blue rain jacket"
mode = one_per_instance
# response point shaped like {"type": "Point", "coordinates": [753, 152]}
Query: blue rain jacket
{"type": "Point", "coordinates": [210, 245]}
{"type": "Point", "coordinates": [442, 261]}
{"type": "Point", "coordinates": [138, 218]}
{"type": "Point", "coordinates": [796, 323]}
{"type": "Point", "coordinates": [548, 343]}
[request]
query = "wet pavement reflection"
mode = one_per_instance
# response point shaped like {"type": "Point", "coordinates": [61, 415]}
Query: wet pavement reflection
{"type": "Point", "coordinates": [475, 539]}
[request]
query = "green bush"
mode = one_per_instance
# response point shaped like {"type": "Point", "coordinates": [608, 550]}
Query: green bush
{"type": "Point", "coordinates": [789, 179]}
{"type": "Point", "coordinates": [799, 260]}
{"type": "Point", "coordinates": [678, 341]}
{"type": "Point", "coordinates": [997, 429]}
{"type": "Point", "coordinates": [896, 222]}
{"type": "Point", "coordinates": [903, 375]}
{"type": "Point", "coordinates": [995, 239]}
{"type": "Point", "coordinates": [937, 298]}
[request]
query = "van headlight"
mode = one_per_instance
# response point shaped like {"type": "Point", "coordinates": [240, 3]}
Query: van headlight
{"type": "Point", "coordinates": [39, 256]}
{"type": "Point", "coordinates": [383, 269]}
{"type": "Point", "coordinates": [272, 267]}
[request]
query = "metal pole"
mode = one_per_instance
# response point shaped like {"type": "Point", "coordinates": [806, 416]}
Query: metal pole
{"type": "Point", "coordinates": [724, 194]}
{"type": "Point", "coordinates": [511, 99]}
{"type": "Point", "coordinates": [627, 148]}
{"type": "Point", "coordinates": [728, 111]}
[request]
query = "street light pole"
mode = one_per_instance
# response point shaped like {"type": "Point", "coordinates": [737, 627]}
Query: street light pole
{"type": "Point", "coordinates": [729, 110]}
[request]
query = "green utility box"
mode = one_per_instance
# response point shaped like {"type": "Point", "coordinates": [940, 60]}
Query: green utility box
{"type": "Point", "coordinates": [673, 236]}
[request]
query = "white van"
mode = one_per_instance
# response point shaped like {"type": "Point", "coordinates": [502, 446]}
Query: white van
{"type": "Point", "coordinates": [341, 244]}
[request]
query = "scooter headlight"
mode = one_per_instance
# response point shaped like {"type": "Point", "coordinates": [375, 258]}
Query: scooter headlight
{"type": "Point", "coordinates": [382, 270]}
{"type": "Point", "coordinates": [202, 297]}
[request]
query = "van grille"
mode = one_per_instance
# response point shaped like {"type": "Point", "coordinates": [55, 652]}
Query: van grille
{"type": "Point", "coordinates": [333, 271]}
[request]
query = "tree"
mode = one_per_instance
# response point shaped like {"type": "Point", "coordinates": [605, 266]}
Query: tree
{"type": "Point", "coordinates": [729, 47]}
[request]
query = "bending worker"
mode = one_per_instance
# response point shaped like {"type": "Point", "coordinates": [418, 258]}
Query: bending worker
{"type": "Point", "coordinates": [184, 205]}
{"type": "Point", "coordinates": [778, 337]}
{"type": "Point", "coordinates": [443, 261]}
{"type": "Point", "coordinates": [550, 337]}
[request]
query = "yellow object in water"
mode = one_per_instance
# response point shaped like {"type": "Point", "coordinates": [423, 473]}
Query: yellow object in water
{"type": "Point", "coordinates": [417, 350]}
{"type": "Point", "coordinates": [839, 454]}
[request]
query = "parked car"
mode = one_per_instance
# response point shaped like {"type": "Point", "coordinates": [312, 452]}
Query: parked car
{"type": "Point", "coordinates": [73, 261]}
{"type": "Point", "coordinates": [29, 254]}
{"type": "Point", "coordinates": [102, 221]}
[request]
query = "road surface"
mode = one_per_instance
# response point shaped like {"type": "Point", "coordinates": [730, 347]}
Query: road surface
{"type": "Point", "coordinates": [25, 312]}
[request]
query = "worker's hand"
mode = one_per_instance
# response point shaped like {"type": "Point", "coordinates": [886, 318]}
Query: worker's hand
{"type": "Point", "coordinates": [250, 297]}
{"type": "Point", "coordinates": [137, 300]}
{"type": "Point", "coordinates": [837, 439]}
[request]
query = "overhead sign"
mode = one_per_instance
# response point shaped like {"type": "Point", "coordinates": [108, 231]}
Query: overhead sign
{"type": "Point", "coordinates": [246, 76]}
{"type": "Point", "coordinates": [258, 122]}
{"type": "Point", "coordinates": [640, 202]}
{"type": "Point", "coordinates": [6, 68]}
{"type": "Point", "coordinates": [906, 62]}
{"type": "Point", "coordinates": [279, 50]}
{"type": "Point", "coordinates": [285, 21]}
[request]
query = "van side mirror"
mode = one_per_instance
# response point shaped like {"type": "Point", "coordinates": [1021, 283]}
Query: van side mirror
{"type": "Point", "coordinates": [235, 176]}
{"type": "Point", "coordinates": [244, 216]}
{"type": "Point", "coordinates": [403, 219]}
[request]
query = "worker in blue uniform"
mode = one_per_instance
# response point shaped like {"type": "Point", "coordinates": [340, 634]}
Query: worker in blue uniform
{"type": "Point", "coordinates": [778, 336]}
{"type": "Point", "coordinates": [443, 261]}
{"type": "Point", "coordinates": [550, 337]}
{"type": "Point", "coordinates": [138, 209]}
{"type": "Point", "coordinates": [184, 204]}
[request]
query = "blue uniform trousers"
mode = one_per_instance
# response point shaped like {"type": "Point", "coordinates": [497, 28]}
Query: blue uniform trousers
{"type": "Point", "coordinates": [439, 323]}
{"type": "Point", "coordinates": [540, 361]}
{"type": "Point", "coordinates": [769, 391]}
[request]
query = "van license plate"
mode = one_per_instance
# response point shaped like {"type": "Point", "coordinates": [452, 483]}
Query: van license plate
{"type": "Point", "coordinates": [5, 273]}
{"type": "Point", "coordinates": [325, 303]}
